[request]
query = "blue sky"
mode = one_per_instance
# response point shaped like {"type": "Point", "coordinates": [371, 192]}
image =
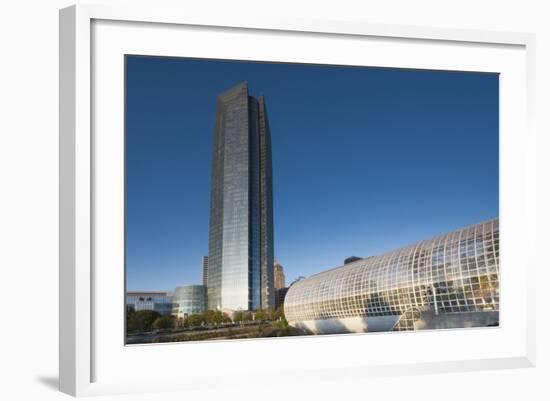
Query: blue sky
{"type": "Point", "coordinates": [365, 160]}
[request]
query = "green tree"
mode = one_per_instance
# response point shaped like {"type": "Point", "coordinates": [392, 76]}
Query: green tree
{"type": "Point", "coordinates": [260, 315]}
{"type": "Point", "coordinates": [226, 318]}
{"type": "Point", "coordinates": [130, 312]}
{"type": "Point", "coordinates": [209, 317]}
{"type": "Point", "coordinates": [247, 316]}
{"type": "Point", "coordinates": [193, 320]}
{"type": "Point", "coordinates": [278, 313]}
{"type": "Point", "coordinates": [238, 316]}
{"type": "Point", "coordinates": [164, 322]}
{"type": "Point", "coordinates": [217, 318]}
{"type": "Point", "coordinates": [141, 321]}
{"type": "Point", "coordinates": [282, 324]}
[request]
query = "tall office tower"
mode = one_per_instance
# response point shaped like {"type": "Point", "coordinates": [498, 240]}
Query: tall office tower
{"type": "Point", "coordinates": [204, 270]}
{"type": "Point", "coordinates": [240, 260]}
{"type": "Point", "coordinates": [279, 276]}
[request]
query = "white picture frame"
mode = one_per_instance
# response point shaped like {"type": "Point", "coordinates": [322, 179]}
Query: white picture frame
{"type": "Point", "coordinates": [82, 344]}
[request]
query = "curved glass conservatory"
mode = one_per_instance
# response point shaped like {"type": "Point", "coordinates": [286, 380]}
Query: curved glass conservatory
{"type": "Point", "coordinates": [188, 299]}
{"type": "Point", "coordinates": [449, 281]}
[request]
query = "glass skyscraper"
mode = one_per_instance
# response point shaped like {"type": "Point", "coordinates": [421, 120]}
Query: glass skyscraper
{"type": "Point", "coordinates": [240, 260]}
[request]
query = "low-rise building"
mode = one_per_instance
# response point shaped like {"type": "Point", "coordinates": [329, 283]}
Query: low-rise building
{"type": "Point", "coordinates": [188, 300]}
{"type": "Point", "coordinates": [157, 301]}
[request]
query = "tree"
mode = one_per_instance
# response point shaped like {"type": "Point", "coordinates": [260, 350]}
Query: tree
{"type": "Point", "coordinates": [272, 314]}
{"type": "Point", "coordinates": [217, 317]}
{"type": "Point", "coordinates": [278, 313]}
{"type": "Point", "coordinates": [130, 312]}
{"type": "Point", "coordinates": [260, 315]}
{"type": "Point", "coordinates": [238, 316]}
{"type": "Point", "coordinates": [193, 320]}
{"type": "Point", "coordinates": [220, 317]}
{"type": "Point", "coordinates": [209, 316]}
{"type": "Point", "coordinates": [226, 318]}
{"type": "Point", "coordinates": [164, 322]}
{"type": "Point", "coordinates": [247, 316]}
{"type": "Point", "coordinates": [141, 321]}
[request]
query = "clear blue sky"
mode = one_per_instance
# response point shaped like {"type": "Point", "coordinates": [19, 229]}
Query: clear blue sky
{"type": "Point", "coordinates": [365, 160]}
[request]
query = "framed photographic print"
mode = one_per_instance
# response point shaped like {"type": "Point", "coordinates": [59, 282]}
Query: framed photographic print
{"type": "Point", "coordinates": [356, 197]}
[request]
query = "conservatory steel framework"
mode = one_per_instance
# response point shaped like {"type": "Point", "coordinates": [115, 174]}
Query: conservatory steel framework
{"type": "Point", "coordinates": [449, 281]}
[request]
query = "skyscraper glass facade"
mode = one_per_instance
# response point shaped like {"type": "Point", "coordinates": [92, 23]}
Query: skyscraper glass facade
{"type": "Point", "coordinates": [448, 281]}
{"type": "Point", "coordinates": [240, 260]}
{"type": "Point", "coordinates": [204, 270]}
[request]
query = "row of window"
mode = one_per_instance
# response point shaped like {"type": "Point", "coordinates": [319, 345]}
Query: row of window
{"type": "Point", "coordinates": [456, 272]}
